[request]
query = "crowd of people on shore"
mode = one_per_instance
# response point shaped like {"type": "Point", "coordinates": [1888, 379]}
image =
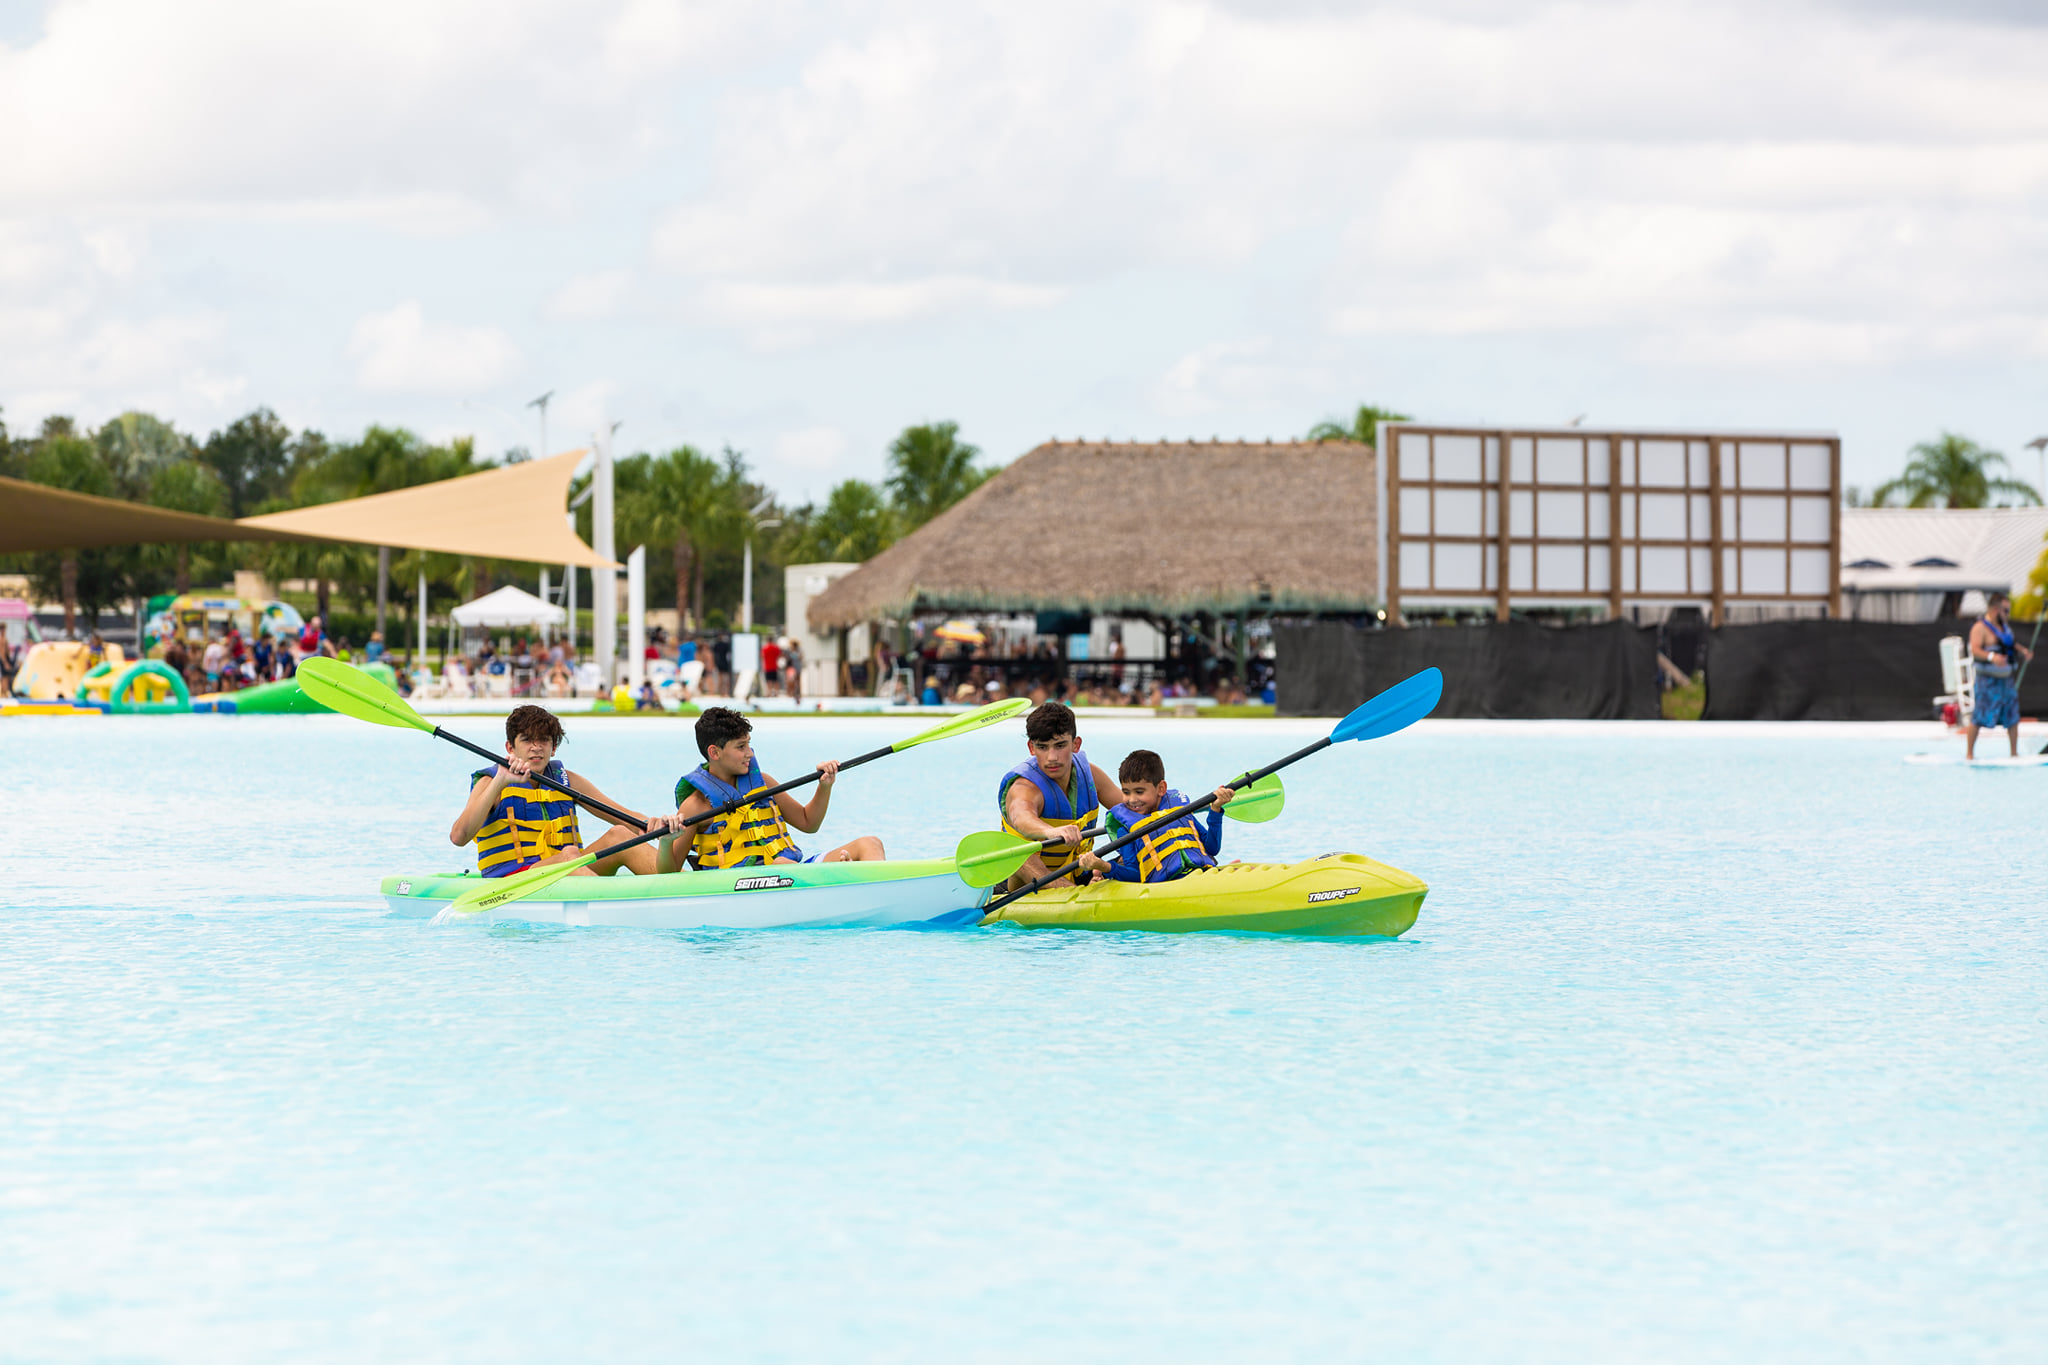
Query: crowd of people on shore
{"type": "Point", "coordinates": [699, 664]}
{"type": "Point", "coordinates": [232, 661]}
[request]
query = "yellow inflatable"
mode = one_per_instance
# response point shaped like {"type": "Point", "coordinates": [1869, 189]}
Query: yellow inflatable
{"type": "Point", "coordinates": [55, 669]}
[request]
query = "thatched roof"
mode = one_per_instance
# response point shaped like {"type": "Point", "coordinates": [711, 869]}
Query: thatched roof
{"type": "Point", "coordinates": [1165, 529]}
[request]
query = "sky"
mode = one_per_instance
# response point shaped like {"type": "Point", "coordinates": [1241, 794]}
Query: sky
{"type": "Point", "coordinates": [799, 227]}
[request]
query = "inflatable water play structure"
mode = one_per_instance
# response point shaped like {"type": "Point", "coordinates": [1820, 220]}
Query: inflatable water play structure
{"type": "Point", "coordinates": [282, 698]}
{"type": "Point", "coordinates": [67, 677]}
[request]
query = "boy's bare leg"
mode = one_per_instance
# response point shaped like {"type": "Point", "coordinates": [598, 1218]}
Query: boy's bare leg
{"type": "Point", "coordinates": [638, 860]}
{"type": "Point", "coordinates": [866, 849]}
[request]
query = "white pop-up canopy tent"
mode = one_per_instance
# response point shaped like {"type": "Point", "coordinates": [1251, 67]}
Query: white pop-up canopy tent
{"type": "Point", "coordinates": [508, 606]}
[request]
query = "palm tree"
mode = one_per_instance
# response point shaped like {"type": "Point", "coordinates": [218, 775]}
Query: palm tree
{"type": "Point", "coordinates": [855, 524]}
{"type": "Point", "coordinates": [1364, 427]}
{"type": "Point", "coordinates": [1953, 471]}
{"type": "Point", "coordinates": [136, 446]}
{"type": "Point", "coordinates": [930, 469]}
{"type": "Point", "coordinates": [686, 500]}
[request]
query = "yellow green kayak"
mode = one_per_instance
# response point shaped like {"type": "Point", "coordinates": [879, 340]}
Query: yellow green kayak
{"type": "Point", "coordinates": [1336, 895]}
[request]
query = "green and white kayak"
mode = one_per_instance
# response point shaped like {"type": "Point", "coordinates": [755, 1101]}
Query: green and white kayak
{"type": "Point", "coordinates": [1339, 895]}
{"type": "Point", "coordinates": [779, 896]}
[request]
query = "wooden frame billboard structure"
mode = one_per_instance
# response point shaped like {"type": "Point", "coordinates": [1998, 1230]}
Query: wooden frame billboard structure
{"type": "Point", "coordinates": [1705, 519]}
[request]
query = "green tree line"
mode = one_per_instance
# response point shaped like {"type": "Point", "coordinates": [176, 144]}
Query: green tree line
{"type": "Point", "coordinates": [693, 511]}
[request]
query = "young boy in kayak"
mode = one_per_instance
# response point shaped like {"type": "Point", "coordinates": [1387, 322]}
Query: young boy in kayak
{"type": "Point", "coordinates": [518, 824]}
{"type": "Point", "coordinates": [754, 834]}
{"type": "Point", "coordinates": [1053, 794]}
{"type": "Point", "coordinates": [1165, 851]}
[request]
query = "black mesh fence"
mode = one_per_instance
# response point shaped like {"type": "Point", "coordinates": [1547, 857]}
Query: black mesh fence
{"type": "Point", "coordinates": [1839, 670]}
{"type": "Point", "coordinates": [1510, 671]}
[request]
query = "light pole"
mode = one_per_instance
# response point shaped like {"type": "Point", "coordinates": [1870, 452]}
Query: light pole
{"type": "Point", "coordinates": [755, 522]}
{"type": "Point", "coordinates": [2039, 445]}
{"type": "Point", "coordinates": [542, 403]}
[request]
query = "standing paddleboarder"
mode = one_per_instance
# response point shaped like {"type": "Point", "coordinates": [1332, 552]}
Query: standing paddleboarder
{"type": "Point", "coordinates": [1994, 654]}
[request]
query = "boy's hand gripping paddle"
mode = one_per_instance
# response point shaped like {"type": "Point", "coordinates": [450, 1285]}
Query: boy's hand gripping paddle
{"type": "Point", "coordinates": [992, 855]}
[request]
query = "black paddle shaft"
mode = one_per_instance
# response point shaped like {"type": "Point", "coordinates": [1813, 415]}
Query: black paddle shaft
{"type": "Point", "coordinates": [542, 779]}
{"type": "Point", "coordinates": [751, 799]}
{"type": "Point", "coordinates": [1145, 827]}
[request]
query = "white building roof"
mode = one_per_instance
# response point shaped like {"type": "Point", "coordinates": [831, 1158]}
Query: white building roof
{"type": "Point", "coordinates": [1939, 549]}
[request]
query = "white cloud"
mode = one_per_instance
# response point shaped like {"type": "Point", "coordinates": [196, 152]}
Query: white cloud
{"type": "Point", "coordinates": [399, 351]}
{"type": "Point", "coordinates": [907, 198]}
{"type": "Point", "coordinates": [795, 313]}
{"type": "Point", "coordinates": [590, 297]}
{"type": "Point", "coordinates": [226, 104]}
{"type": "Point", "coordinates": [812, 449]}
{"type": "Point", "coordinates": [1486, 170]}
{"type": "Point", "coordinates": [1229, 375]}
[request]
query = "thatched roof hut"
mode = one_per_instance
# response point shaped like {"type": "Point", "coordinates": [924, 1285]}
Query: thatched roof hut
{"type": "Point", "coordinates": [1161, 529]}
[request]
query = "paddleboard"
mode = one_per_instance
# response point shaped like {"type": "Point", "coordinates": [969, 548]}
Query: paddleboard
{"type": "Point", "coordinates": [1958, 761]}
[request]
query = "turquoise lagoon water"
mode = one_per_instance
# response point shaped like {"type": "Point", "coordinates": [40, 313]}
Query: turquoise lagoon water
{"type": "Point", "coordinates": [1709, 1046]}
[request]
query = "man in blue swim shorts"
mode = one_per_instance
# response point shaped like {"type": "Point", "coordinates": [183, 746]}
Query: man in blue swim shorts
{"type": "Point", "coordinates": [1994, 690]}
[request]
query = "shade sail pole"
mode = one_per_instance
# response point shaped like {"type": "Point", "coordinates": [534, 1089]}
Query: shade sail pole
{"type": "Point", "coordinates": [604, 582]}
{"type": "Point", "coordinates": [420, 659]}
{"type": "Point", "coordinates": [636, 617]}
{"type": "Point", "coordinates": [383, 583]}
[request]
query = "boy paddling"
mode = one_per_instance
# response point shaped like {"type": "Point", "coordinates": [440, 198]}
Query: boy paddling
{"type": "Point", "coordinates": [754, 834]}
{"type": "Point", "coordinates": [1164, 851]}
{"type": "Point", "coordinates": [518, 824]}
{"type": "Point", "coordinates": [1052, 794]}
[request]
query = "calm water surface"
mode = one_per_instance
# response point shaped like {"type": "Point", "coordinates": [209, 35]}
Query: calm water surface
{"type": "Point", "coordinates": [1723, 1048]}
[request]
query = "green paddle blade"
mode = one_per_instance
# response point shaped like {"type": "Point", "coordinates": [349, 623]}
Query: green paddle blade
{"type": "Point", "coordinates": [973, 720]}
{"type": "Point", "coordinates": [345, 688]}
{"type": "Point", "coordinates": [1263, 800]}
{"type": "Point", "coordinates": [490, 893]}
{"type": "Point", "coordinates": [989, 856]}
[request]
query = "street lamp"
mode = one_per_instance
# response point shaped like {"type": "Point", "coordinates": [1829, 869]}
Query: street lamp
{"type": "Point", "coordinates": [755, 522]}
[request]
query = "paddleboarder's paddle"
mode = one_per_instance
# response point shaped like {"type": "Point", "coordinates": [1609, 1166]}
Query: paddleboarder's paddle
{"type": "Point", "coordinates": [1397, 708]}
{"type": "Point", "coordinates": [490, 894]}
{"type": "Point", "coordinates": [991, 855]}
{"type": "Point", "coordinates": [342, 687]}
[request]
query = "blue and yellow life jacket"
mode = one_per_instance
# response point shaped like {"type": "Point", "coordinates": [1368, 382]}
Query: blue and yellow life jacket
{"type": "Point", "coordinates": [528, 823]}
{"type": "Point", "coordinates": [1060, 807]}
{"type": "Point", "coordinates": [746, 837]}
{"type": "Point", "coordinates": [1165, 851]}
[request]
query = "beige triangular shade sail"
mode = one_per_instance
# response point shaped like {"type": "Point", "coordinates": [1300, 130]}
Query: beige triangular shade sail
{"type": "Point", "coordinates": [33, 517]}
{"type": "Point", "coordinates": [515, 512]}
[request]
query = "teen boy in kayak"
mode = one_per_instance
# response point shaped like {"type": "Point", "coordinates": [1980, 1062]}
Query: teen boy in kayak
{"type": "Point", "coordinates": [519, 824]}
{"type": "Point", "coordinates": [1165, 851]}
{"type": "Point", "coordinates": [1994, 695]}
{"type": "Point", "coordinates": [1052, 794]}
{"type": "Point", "coordinates": [753, 834]}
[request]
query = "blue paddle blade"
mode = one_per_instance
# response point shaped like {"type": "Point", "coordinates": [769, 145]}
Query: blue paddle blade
{"type": "Point", "coordinates": [1397, 708]}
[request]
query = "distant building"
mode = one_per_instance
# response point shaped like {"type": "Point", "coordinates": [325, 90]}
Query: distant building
{"type": "Point", "coordinates": [1932, 563]}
